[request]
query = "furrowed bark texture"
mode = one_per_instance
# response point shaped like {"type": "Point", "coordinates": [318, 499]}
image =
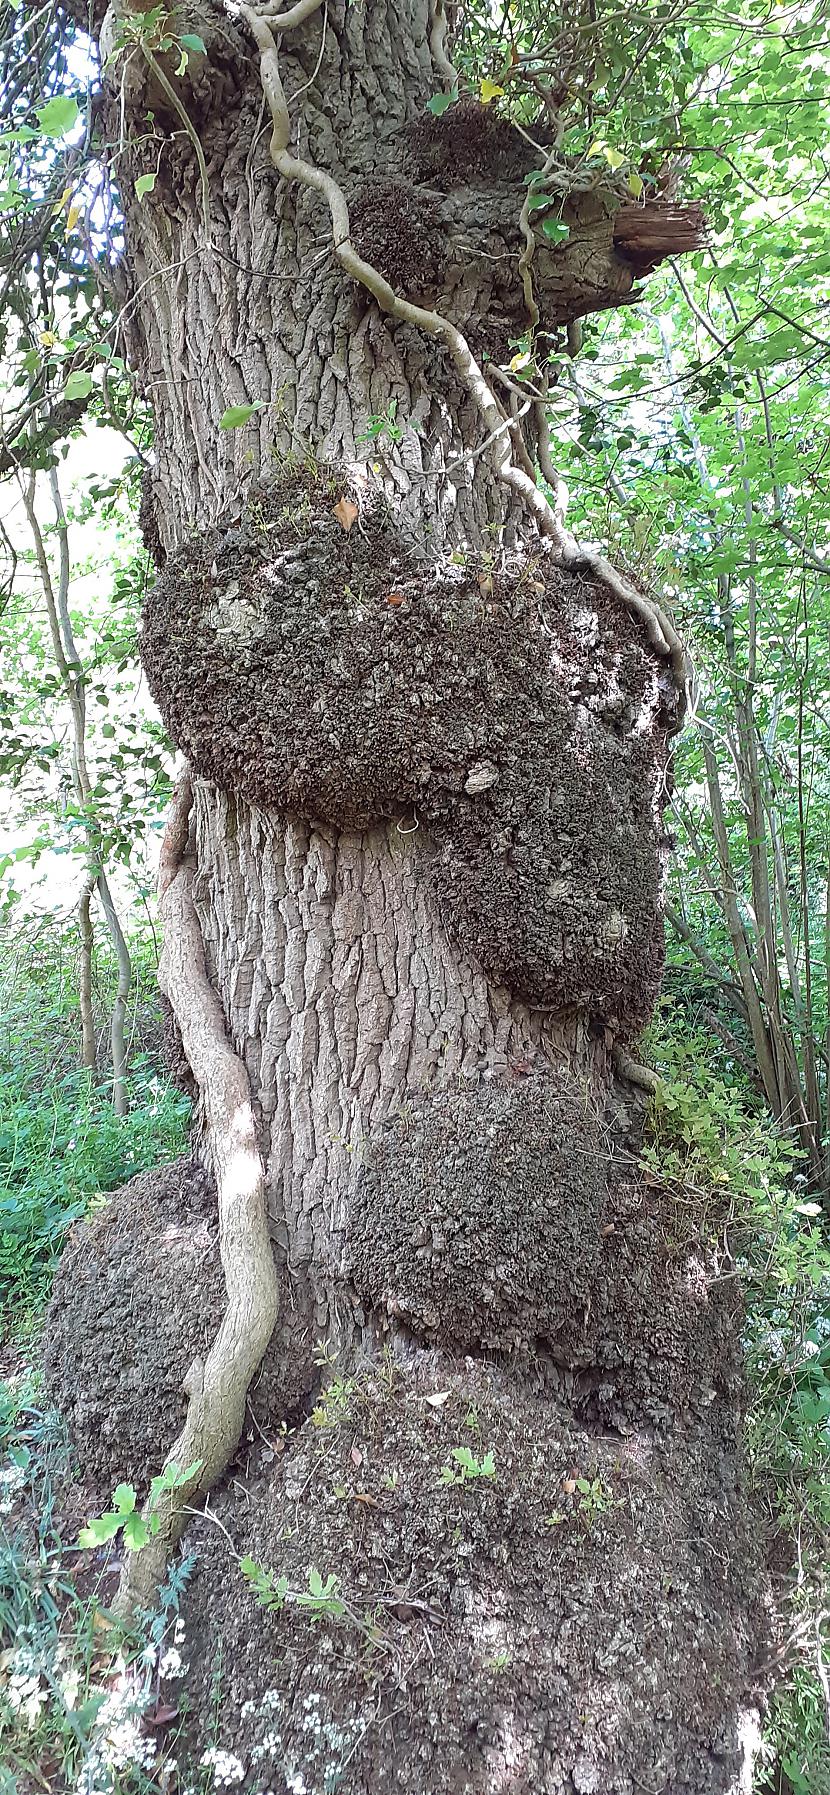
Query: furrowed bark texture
{"type": "Point", "coordinates": [429, 766]}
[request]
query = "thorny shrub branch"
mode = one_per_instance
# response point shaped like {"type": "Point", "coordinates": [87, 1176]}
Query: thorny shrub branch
{"type": "Point", "coordinates": [216, 1388]}
{"type": "Point", "coordinates": [661, 632]}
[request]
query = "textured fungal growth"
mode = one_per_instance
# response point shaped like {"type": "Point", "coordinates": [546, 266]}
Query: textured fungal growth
{"type": "Point", "coordinates": [501, 1217]}
{"type": "Point", "coordinates": [139, 1294]}
{"type": "Point", "coordinates": [475, 1216]}
{"type": "Point", "coordinates": [305, 660]}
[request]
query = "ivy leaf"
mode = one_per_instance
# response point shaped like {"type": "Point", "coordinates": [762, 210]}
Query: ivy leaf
{"type": "Point", "coordinates": [555, 230]}
{"type": "Point", "coordinates": [538, 199]}
{"type": "Point", "coordinates": [78, 385]}
{"type": "Point", "coordinates": [58, 116]}
{"type": "Point", "coordinates": [440, 102]}
{"type": "Point", "coordinates": [144, 184]}
{"type": "Point", "coordinates": [192, 41]}
{"type": "Point", "coordinates": [237, 415]}
{"type": "Point", "coordinates": [613, 157]}
{"type": "Point", "coordinates": [489, 90]}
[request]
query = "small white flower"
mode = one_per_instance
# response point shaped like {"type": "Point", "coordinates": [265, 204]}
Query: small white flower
{"type": "Point", "coordinates": [226, 1766]}
{"type": "Point", "coordinates": [171, 1665]}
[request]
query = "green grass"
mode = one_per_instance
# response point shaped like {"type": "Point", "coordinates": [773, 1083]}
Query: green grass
{"type": "Point", "coordinates": [61, 1145]}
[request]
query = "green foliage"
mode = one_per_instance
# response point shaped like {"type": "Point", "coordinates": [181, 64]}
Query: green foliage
{"type": "Point", "coordinates": [466, 1467]}
{"type": "Point", "coordinates": [136, 1529]}
{"type": "Point", "coordinates": [320, 1600]}
{"type": "Point", "coordinates": [126, 749]}
{"type": "Point", "coordinates": [73, 1688]}
{"type": "Point", "coordinates": [384, 423]}
{"type": "Point", "coordinates": [61, 1146]}
{"type": "Point", "coordinates": [596, 1498]}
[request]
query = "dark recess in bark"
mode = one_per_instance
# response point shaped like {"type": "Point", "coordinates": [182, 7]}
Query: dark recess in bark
{"type": "Point", "coordinates": [517, 713]}
{"type": "Point", "coordinates": [148, 522]}
{"type": "Point", "coordinates": [176, 1061]}
{"type": "Point", "coordinates": [500, 1218]}
{"type": "Point", "coordinates": [523, 1642]}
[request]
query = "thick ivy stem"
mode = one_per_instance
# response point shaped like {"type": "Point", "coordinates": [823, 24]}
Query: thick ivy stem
{"type": "Point", "coordinates": [217, 1388]}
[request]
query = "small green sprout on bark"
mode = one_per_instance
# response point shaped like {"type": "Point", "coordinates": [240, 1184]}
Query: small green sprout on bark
{"type": "Point", "coordinates": [123, 1517]}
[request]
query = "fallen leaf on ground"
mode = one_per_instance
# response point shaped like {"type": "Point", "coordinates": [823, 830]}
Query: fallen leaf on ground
{"type": "Point", "coordinates": [345, 512]}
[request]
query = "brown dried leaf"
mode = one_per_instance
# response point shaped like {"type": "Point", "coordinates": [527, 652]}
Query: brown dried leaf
{"type": "Point", "coordinates": [394, 598]}
{"type": "Point", "coordinates": [161, 1714]}
{"type": "Point", "coordinates": [345, 512]}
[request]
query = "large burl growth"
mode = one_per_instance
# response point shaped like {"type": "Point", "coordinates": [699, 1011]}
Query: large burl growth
{"type": "Point", "coordinates": [308, 661]}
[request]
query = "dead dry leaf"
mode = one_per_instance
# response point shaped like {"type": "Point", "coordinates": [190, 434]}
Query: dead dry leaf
{"type": "Point", "coordinates": [345, 512]}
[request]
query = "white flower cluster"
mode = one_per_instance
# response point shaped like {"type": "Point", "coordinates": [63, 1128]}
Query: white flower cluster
{"type": "Point", "coordinates": [269, 1747]}
{"type": "Point", "coordinates": [117, 1741]}
{"type": "Point", "coordinates": [226, 1767]}
{"type": "Point", "coordinates": [12, 1480]}
{"type": "Point", "coordinates": [24, 1693]}
{"type": "Point", "coordinates": [171, 1664]}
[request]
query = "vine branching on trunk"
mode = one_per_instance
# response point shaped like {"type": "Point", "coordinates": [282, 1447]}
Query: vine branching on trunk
{"type": "Point", "coordinates": [217, 1387]}
{"type": "Point", "coordinates": [661, 632]}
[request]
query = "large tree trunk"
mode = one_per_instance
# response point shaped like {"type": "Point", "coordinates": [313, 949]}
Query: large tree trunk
{"type": "Point", "coordinates": [428, 765]}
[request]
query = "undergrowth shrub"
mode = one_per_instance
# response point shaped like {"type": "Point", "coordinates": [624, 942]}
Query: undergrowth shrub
{"type": "Point", "coordinates": [61, 1145]}
{"type": "Point", "coordinates": [713, 1136]}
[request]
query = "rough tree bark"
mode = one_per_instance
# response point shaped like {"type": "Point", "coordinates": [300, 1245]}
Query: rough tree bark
{"type": "Point", "coordinates": [429, 749]}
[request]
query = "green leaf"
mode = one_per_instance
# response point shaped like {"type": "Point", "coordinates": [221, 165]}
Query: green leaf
{"type": "Point", "coordinates": [192, 41]}
{"type": "Point", "coordinates": [538, 199]}
{"type": "Point", "coordinates": [555, 230]}
{"type": "Point", "coordinates": [78, 385]}
{"type": "Point", "coordinates": [440, 102]}
{"type": "Point", "coordinates": [144, 184]}
{"type": "Point", "coordinates": [136, 1533]}
{"type": "Point", "coordinates": [58, 116]}
{"type": "Point", "coordinates": [124, 1498]}
{"type": "Point", "coordinates": [237, 415]}
{"type": "Point", "coordinates": [100, 1529]}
